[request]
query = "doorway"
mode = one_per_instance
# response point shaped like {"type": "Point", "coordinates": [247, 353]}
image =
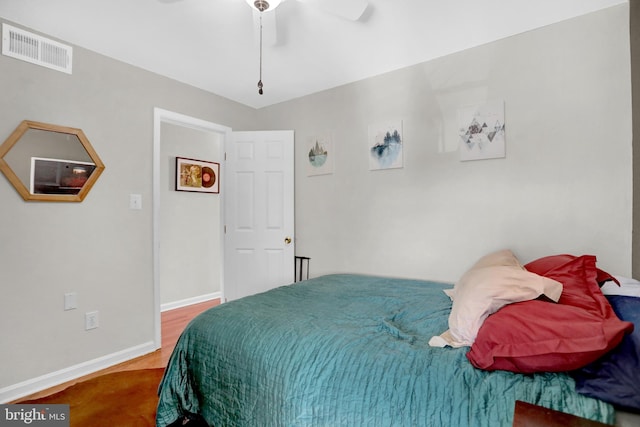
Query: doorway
{"type": "Point", "coordinates": [168, 258]}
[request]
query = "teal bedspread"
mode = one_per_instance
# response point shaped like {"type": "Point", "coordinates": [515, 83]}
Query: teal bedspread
{"type": "Point", "coordinates": [345, 350]}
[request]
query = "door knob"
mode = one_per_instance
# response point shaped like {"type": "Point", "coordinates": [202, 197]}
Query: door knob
{"type": "Point", "coordinates": [287, 240]}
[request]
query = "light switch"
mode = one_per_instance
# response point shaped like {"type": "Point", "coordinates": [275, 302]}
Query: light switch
{"type": "Point", "coordinates": [70, 301]}
{"type": "Point", "coordinates": [135, 201]}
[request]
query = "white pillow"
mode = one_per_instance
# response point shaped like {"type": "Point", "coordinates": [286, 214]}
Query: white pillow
{"type": "Point", "coordinates": [628, 287]}
{"type": "Point", "coordinates": [504, 257]}
{"type": "Point", "coordinates": [494, 281]}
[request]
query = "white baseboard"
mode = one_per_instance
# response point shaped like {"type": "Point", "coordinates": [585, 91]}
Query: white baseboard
{"type": "Point", "coordinates": [34, 385]}
{"type": "Point", "coordinates": [185, 302]}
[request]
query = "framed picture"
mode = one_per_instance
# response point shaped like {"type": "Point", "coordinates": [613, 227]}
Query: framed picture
{"type": "Point", "coordinates": [481, 131]}
{"type": "Point", "coordinates": [197, 175]}
{"type": "Point", "coordinates": [320, 156]}
{"type": "Point", "coordinates": [57, 176]}
{"type": "Point", "coordinates": [385, 146]}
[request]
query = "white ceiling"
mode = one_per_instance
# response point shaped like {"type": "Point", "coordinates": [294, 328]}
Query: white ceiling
{"type": "Point", "coordinates": [213, 44]}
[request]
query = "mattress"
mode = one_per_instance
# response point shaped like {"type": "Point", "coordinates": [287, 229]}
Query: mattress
{"type": "Point", "coordinates": [345, 350]}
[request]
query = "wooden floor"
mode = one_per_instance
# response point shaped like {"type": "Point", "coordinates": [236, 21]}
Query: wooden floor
{"type": "Point", "coordinates": [173, 323]}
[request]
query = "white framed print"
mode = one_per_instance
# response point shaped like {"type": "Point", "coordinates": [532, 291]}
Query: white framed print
{"type": "Point", "coordinates": [386, 146]}
{"type": "Point", "coordinates": [482, 131]}
{"type": "Point", "coordinates": [320, 154]}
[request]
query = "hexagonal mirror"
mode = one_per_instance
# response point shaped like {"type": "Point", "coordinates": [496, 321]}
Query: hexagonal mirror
{"type": "Point", "coordinates": [47, 162]}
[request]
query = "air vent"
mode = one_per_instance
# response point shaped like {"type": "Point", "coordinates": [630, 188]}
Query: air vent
{"type": "Point", "coordinates": [21, 44]}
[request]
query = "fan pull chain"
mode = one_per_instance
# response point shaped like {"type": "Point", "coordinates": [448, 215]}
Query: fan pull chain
{"type": "Point", "coordinates": [260, 81]}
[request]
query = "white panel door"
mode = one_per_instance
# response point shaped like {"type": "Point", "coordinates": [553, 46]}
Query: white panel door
{"type": "Point", "coordinates": [259, 247]}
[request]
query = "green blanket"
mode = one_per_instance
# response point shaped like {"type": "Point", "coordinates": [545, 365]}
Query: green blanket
{"type": "Point", "coordinates": [345, 350]}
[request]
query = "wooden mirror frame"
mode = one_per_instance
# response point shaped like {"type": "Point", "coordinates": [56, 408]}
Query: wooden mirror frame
{"type": "Point", "coordinates": [14, 138]}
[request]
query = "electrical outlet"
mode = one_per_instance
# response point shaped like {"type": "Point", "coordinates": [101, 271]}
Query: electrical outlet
{"type": "Point", "coordinates": [90, 320]}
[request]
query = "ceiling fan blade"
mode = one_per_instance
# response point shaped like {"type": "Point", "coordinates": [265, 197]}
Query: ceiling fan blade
{"type": "Point", "coordinates": [269, 27]}
{"type": "Point", "coordinates": [347, 9]}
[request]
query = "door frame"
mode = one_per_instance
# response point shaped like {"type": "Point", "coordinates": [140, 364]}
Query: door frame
{"type": "Point", "coordinates": [164, 116]}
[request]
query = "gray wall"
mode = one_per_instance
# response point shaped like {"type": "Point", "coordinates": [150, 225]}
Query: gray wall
{"type": "Point", "coordinates": [634, 24]}
{"type": "Point", "coordinates": [564, 187]}
{"type": "Point", "coordinates": [98, 248]}
{"type": "Point", "coordinates": [191, 242]}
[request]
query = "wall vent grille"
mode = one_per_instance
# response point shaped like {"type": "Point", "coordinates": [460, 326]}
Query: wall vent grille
{"type": "Point", "coordinates": [21, 44]}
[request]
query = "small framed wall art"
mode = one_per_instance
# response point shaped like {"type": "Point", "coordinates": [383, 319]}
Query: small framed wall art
{"type": "Point", "coordinates": [197, 175]}
{"type": "Point", "coordinates": [481, 131]}
{"type": "Point", "coordinates": [385, 146]}
{"type": "Point", "coordinates": [320, 155]}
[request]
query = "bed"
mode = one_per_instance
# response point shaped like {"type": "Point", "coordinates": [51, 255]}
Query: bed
{"type": "Point", "coordinates": [347, 350]}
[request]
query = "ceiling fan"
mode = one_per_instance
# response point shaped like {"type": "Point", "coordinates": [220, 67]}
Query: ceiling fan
{"type": "Point", "coordinates": [264, 11]}
{"type": "Point", "coordinates": [347, 9]}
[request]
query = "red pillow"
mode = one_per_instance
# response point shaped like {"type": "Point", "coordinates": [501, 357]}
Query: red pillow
{"type": "Point", "coordinates": [543, 265]}
{"type": "Point", "coordinates": [535, 336]}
